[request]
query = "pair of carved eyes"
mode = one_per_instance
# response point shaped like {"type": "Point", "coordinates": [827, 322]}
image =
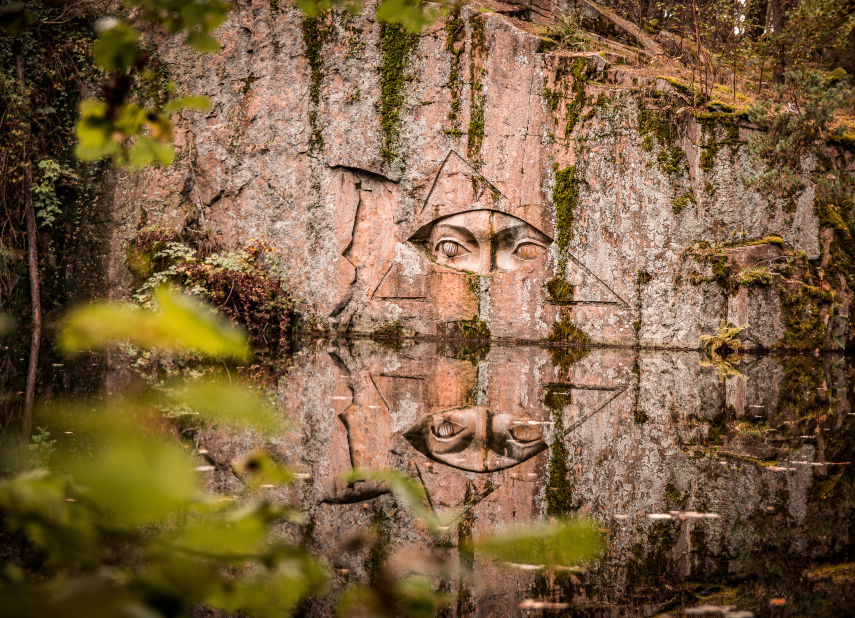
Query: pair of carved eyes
{"type": "Point", "coordinates": [521, 433]}
{"type": "Point", "coordinates": [525, 251]}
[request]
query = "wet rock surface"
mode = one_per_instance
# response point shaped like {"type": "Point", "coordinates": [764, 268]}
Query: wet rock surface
{"type": "Point", "coordinates": [715, 484]}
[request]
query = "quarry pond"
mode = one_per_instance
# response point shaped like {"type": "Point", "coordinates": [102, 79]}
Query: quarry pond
{"type": "Point", "coordinates": [718, 489]}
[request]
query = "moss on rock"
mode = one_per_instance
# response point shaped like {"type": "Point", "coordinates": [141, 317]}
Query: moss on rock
{"type": "Point", "coordinates": [396, 47]}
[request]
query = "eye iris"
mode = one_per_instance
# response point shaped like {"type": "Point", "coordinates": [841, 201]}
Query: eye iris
{"type": "Point", "coordinates": [449, 248]}
{"type": "Point", "coordinates": [526, 434]}
{"type": "Point", "coordinates": [445, 430]}
{"type": "Point", "coordinates": [528, 252]}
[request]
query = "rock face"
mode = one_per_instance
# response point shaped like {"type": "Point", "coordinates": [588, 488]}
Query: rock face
{"type": "Point", "coordinates": [349, 145]}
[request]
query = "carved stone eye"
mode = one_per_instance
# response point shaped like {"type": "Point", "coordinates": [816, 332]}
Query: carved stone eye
{"type": "Point", "coordinates": [449, 248]}
{"type": "Point", "coordinates": [445, 429]}
{"type": "Point", "coordinates": [528, 251]}
{"type": "Point", "coordinates": [525, 433]}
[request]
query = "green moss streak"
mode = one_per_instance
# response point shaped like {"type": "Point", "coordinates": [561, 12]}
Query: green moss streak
{"type": "Point", "coordinates": [709, 123]}
{"type": "Point", "coordinates": [478, 99]}
{"type": "Point", "coordinates": [396, 47]}
{"type": "Point", "coordinates": [565, 198]}
{"type": "Point", "coordinates": [474, 328]}
{"type": "Point", "coordinates": [652, 123]}
{"type": "Point", "coordinates": [455, 30]}
{"type": "Point", "coordinates": [804, 326]}
{"type": "Point", "coordinates": [565, 331]}
{"type": "Point", "coordinates": [560, 290]}
{"type": "Point", "coordinates": [316, 31]}
{"type": "Point", "coordinates": [574, 107]}
{"type": "Point", "coordinates": [679, 203]}
{"type": "Point", "coordinates": [552, 97]}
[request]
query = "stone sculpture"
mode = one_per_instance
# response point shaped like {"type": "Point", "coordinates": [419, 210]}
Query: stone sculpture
{"type": "Point", "coordinates": [481, 242]}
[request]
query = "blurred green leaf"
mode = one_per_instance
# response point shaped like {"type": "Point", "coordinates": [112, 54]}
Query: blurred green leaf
{"type": "Point", "coordinates": [405, 489]}
{"type": "Point", "coordinates": [563, 543]}
{"type": "Point", "coordinates": [238, 539]}
{"type": "Point", "coordinates": [117, 47]}
{"type": "Point", "coordinates": [183, 15]}
{"type": "Point", "coordinates": [7, 324]}
{"type": "Point", "coordinates": [15, 19]}
{"type": "Point", "coordinates": [136, 481]}
{"type": "Point", "coordinates": [37, 503]}
{"type": "Point", "coordinates": [226, 405]}
{"type": "Point", "coordinates": [94, 131]}
{"type": "Point", "coordinates": [417, 597]}
{"type": "Point", "coordinates": [414, 15]}
{"type": "Point", "coordinates": [80, 596]}
{"type": "Point", "coordinates": [275, 595]}
{"type": "Point", "coordinates": [259, 469]}
{"type": "Point", "coordinates": [203, 42]}
{"type": "Point", "coordinates": [196, 103]}
{"type": "Point", "coordinates": [181, 323]}
{"type": "Point", "coordinates": [147, 150]}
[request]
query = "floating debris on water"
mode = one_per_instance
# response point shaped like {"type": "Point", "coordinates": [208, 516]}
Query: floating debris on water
{"type": "Point", "coordinates": [525, 567]}
{"type": "Point", "coordinates": [204, 468]}
{"type": "Point", "coordinates": [533, 604]}
{"type": "Point", "coordinates": [729, 611]}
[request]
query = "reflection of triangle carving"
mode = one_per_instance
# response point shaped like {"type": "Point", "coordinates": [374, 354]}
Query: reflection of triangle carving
{"type": "Point", "coordinates": [584, 400]}
{"type": "Point", "coordinates": [589, 289]}
{"type": "Point", "coordinates": [458, 187]}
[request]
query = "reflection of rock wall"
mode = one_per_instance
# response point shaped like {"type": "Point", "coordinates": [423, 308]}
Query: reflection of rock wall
{"type": "Point", "coordinates": [644, 434]}
{"type": "Point", "coordinates": [487, 126]}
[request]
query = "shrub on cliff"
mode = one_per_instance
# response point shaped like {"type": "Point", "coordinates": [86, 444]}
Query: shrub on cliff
{"type": "Point", "coordinates": [246, 285]}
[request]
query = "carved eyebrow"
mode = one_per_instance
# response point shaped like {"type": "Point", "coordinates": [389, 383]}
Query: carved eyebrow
{"type": "Point", "coordinates": [454, 228]}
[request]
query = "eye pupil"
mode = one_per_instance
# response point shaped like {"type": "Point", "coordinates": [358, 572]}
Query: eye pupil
{"type": "Point", "coordinates": [449, 248]}
{"type": "Point", "coordinates": [445, 429]}
{"type": "Point", "coordinates": [528, 251]}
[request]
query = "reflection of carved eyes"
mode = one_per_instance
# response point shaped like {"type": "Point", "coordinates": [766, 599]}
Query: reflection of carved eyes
{"type": "Point", "coordinates": [528, 251]}
{"type": "Point", "coordinates": [447, 429]}
{"type": "Point", "coordinates": [451, 248]}
{"type": "Point", "coordinates": [525, 433]}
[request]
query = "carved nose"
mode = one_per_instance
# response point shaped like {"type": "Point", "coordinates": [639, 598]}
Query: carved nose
{"type": "Point", "coordinates": [486, 264]}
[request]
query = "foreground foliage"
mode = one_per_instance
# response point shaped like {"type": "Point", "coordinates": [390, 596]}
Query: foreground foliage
{"type": "Point", "coordinates": [125, 528]}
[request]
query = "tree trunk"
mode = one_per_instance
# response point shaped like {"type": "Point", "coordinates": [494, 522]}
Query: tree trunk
{"type": "Point", "coordinates": [778, 23]}
{"type": "Point", "coordinates": [33, 268]}
{"type": "Point", "coordinates": [755, 18]}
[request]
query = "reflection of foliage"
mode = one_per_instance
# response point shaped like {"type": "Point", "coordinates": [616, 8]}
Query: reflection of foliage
{"type": "Point", "coordinates": [725, 365]}
{"type": "Point", "coordinates": [563, 358]}
{"type": "Point", "coordinates": [559, 488]}
{"type": "Point", "coordinates": [724, 341]}
{"type": "Point", "coordinates": [392, 333]}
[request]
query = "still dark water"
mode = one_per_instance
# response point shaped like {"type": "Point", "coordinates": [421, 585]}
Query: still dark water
{"type": "Point", "coordinates": [715, 485]}
{"type": "Point", "coordinates": [722, 489]}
